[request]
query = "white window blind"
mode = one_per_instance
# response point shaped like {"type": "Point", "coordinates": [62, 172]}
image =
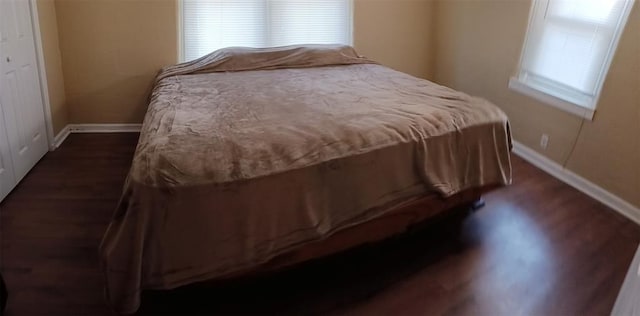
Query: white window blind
{"type": "Point", "coordinates": [569, 46]}
{"type": "Point", "coordinates": [208, 25]}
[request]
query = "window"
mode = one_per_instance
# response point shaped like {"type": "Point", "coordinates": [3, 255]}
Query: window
{"type": "Point", "coordinates": [568, 49]}
{"type": "Point", "coordinates": [208, 25]}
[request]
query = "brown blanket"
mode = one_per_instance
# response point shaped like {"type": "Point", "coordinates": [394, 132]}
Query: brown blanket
{"type": "Point", "coordinates": [236, 167]}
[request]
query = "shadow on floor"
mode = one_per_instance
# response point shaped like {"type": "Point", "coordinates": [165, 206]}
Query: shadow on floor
{"type": "Point", "coordinates": [321, 286]}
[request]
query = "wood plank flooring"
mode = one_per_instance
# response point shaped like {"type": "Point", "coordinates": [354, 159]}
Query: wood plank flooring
{"type": "Point", "coordinates": [538, 247]}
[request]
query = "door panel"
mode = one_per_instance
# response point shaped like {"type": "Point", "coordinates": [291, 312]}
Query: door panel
{"type": "Point", "coordinates": [7, 177]}
{"type": "Point", "coordinates": [20, 96]}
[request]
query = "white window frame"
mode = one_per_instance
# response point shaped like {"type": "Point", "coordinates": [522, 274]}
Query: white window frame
{"type": "Point", "coordinates": [554, 97]}
{"type": "Point", "coordinates": [180, 25]}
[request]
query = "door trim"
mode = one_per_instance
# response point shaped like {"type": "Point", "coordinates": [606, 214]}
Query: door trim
{"type": "Point", "coordinates": [42, 73]}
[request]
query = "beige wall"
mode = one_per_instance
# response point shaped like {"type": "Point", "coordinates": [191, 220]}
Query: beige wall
{"type": "Point", "coordinates": [397, 33]}
{"type": "Point", "coordinates": [478, 46]}
{"type": "Point", "coordinates": [112, 49]}
{"type": "Point", "coordinates": [53, 64]}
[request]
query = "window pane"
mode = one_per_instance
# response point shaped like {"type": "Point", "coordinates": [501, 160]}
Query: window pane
{"type": "Point", "coordinates": [310, 21]}
{"type": "Point", "coordinates": [593, 11]}
{"type": "Point", "coordinates": [572, 57]}
{"type": "Point", "coordinates": [569, 43]}
{"type": "Point", "coordinates": [209, 25]}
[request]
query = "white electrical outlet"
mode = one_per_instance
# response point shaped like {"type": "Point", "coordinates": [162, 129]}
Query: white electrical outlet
{"type": "Point", "coordinates": [544, 141]}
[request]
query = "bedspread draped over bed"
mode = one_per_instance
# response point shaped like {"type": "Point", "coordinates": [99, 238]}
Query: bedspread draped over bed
{"type": "Point", "coordinates": [246, 154]}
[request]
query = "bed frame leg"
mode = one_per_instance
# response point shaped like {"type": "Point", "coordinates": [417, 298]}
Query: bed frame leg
{"type": "Point", "coordinates": [478, 204]}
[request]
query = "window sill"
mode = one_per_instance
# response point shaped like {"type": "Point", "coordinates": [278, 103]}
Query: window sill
{"type": "Point", "coordinates": [576, 109]}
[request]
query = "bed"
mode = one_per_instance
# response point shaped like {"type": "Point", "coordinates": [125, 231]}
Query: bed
{"type": "Point", "coordinates": [254, 159]}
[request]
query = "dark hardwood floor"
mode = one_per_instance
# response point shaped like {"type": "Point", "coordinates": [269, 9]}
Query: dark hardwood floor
{"type": "Point", "coordinates": [538, 247]}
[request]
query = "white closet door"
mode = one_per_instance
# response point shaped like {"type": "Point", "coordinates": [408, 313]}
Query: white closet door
{"type": "Point", "coordinates": [7, 177]}
{"type": "Point", "coordinates": [21, 97]}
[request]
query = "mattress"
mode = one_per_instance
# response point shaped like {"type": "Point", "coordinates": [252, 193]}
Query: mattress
{"type": "Point", "coordinates": [246, 154]}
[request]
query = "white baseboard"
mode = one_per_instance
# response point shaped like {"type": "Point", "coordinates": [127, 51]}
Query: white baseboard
{"type": "Point", "coordinates": [93, 128]}
{"type": "Point", "coordinates": [105, 128]}
{"type": "Point", "coordinates": [61, 137]}
{"type": "Point", "coordinates": [585, 186]}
